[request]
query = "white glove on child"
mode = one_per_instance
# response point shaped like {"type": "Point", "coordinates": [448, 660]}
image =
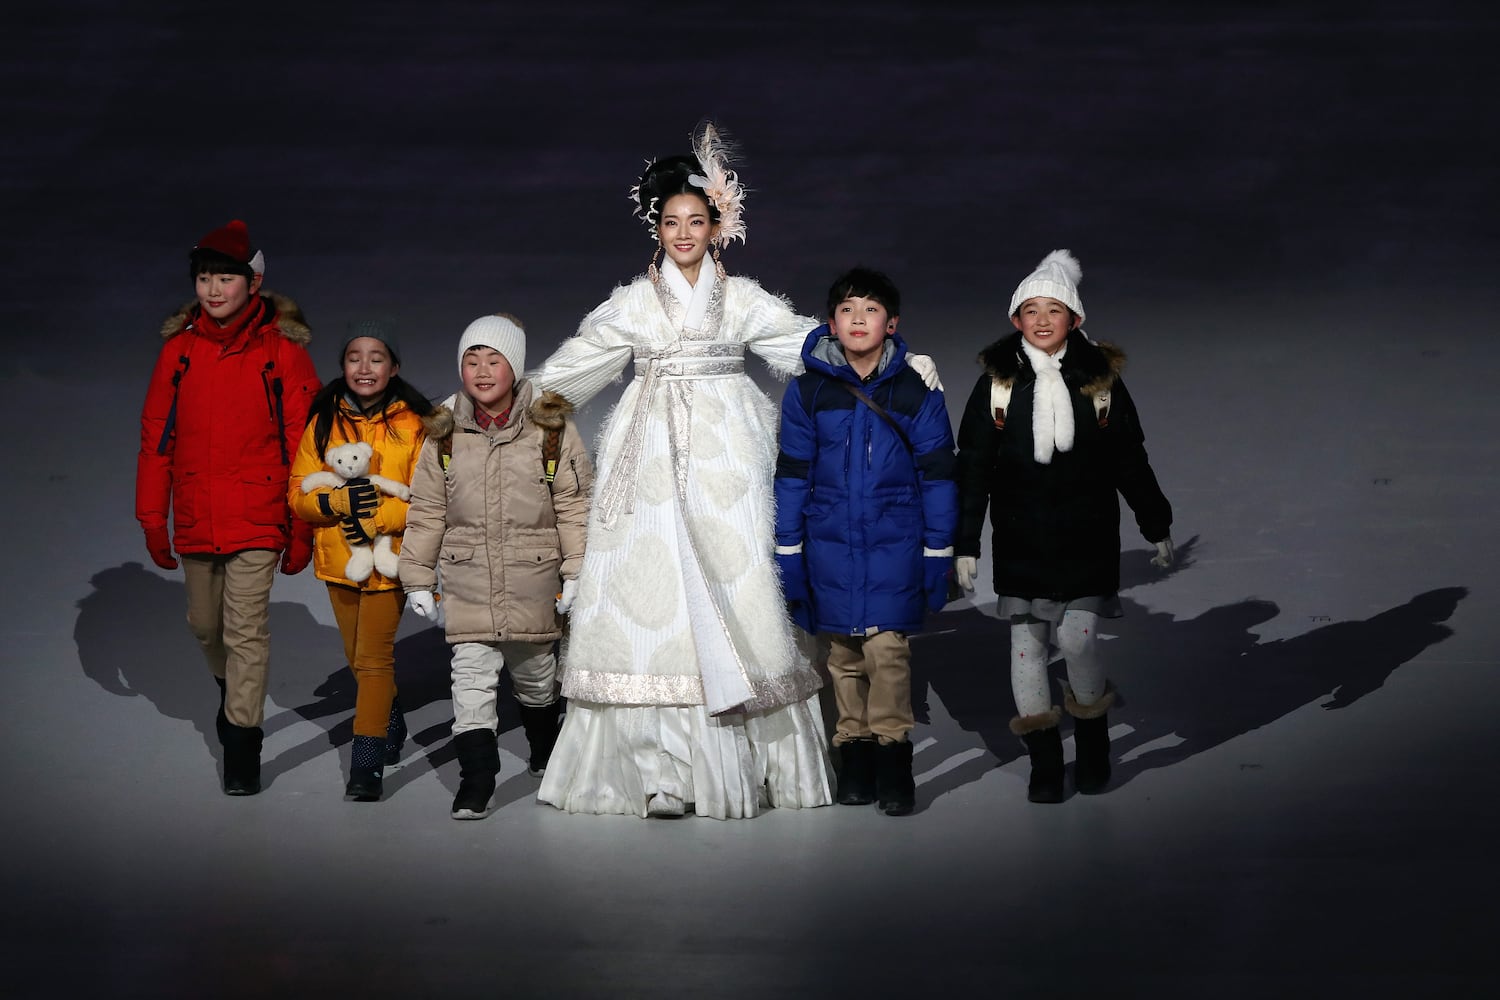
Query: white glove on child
{"type": "Point", "coordinates": [423, 604]}
{"type": "Point", "coordinates": [1164, 553]}
{"type": "Point", "coordinates": [565, 599]}
{"type": "Point", "coordinates": [924, 366]}
{"type": "Point", "coordinates": [965, 568]}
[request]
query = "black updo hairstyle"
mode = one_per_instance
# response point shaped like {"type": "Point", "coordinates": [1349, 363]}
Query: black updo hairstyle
{"type": "Point", "coordinates": [666, 177]}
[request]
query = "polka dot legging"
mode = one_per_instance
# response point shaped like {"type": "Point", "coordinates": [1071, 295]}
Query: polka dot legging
{"type": "Point", "coordinates": [1077, 640]}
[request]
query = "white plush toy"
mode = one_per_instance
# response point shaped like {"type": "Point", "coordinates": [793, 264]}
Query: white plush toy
{"type": "Point", "coordinates": [351, 462]}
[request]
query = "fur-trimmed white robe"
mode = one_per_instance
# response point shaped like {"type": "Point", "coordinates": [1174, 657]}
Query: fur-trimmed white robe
{"type": "Point", "coordinates": [679, 606]}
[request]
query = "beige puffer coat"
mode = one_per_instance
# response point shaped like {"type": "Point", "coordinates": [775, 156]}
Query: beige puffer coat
{"type": "Point", "coordinates": [504, 540]}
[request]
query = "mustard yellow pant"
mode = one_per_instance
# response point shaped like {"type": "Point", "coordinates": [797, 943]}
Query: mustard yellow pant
{"type": "Point", "coordinates": [367, 622]}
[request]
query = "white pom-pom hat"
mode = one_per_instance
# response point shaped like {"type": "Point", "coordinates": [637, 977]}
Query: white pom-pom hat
{"type": "Point", "coordinates": [1056, 277]}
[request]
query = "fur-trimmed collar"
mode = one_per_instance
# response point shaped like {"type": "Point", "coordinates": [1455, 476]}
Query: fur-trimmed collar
{"type": "Point", "coordinates": [549, 410]}
{"type": "Point", "coordinates": [1095, 363]}
{"type": "Point", "coordinates": [285, 313]}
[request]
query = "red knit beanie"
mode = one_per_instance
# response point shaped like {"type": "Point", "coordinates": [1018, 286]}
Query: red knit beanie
{"type": "Point", "coordinates": [233, 241]}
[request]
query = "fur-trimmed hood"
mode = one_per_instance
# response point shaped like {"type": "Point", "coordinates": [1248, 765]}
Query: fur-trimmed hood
{"type": "Point", "coordinates": [285, 313]}
{"type": "Point", "coordinates": [549, 410]}
{"type": "Point", "coordinates": [1096, 364]}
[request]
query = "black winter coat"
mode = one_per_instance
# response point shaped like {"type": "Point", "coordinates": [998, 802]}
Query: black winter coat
{"type": "Point", "coordinates": [1056, 526]}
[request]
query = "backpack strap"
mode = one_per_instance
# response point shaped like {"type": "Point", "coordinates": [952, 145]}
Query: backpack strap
{"type": "Point", "coordinates": [183, 361]}
{"type": "Point", "coordinates": [1000, 401]}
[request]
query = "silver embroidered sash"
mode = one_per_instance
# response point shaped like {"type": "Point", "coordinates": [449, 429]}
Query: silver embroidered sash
{"type": "Point", "coordinates": [683, 361]}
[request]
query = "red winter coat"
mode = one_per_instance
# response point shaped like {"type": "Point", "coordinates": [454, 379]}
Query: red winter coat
{"type": "Point", "coordinates": [219, 428]}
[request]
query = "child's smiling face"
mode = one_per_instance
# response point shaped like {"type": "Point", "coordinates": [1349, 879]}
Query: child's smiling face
{"type": "Point", "coordinates": [1044, 323]}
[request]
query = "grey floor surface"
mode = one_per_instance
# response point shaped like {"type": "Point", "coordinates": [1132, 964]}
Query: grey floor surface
{"type": "Point", "coordinates": [1284, 216]}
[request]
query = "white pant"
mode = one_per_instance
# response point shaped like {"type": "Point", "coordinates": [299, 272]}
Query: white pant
{"type": "Point", "coordinates": [1077, 638]}
{"type": "Point", "coordinates": [476, 675]}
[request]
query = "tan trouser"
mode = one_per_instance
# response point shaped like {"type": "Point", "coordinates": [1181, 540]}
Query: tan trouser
{"type": "Point", "coordinates": [476, 675]}
{"type": "Point", "coordinates": [367, 622]}
{"type": "Point", "coordinates": [228, 611]}
{"type": "Point", "coordinates": [872, 685]}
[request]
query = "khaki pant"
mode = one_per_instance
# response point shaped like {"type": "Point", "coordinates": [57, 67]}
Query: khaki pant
{"type": "Point", "coordinates": [228, 611]}
{"type": "Point", "coordinates": [872, 686]}
{"type": "Point", "coordinates": [367, 622]}
{"type": "Point", "coordinates": [476, 675]}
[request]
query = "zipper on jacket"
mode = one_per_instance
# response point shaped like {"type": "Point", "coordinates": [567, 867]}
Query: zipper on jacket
{"type": "Point", "coordinates": [171, 425]}
{"type": "Point", "coordinates": [274, 408]}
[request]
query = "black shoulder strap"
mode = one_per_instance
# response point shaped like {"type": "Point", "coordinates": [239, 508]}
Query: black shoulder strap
{"type": "Point", "coordinates": [880, 411]}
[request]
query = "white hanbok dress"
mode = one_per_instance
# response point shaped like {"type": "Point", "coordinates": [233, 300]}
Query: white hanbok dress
{"type": "Point", "coordinates": [684, 677]}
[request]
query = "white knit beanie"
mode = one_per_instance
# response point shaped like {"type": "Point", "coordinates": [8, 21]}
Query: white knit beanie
{"type": "Point", "coordinates": [1056, 277]}
{"type": "Point", "coordinates": [501, 334]}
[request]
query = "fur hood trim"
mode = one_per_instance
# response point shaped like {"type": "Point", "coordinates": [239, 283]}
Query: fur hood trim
{"type": "Point", "coordinates": [549, 411]}
{"type": "Point", "coordinates": [1099, 362]}
{"type": "Point", "coordinates": [289, 319]}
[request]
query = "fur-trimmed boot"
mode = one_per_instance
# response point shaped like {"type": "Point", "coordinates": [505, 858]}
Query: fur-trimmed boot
{"type": "Point", "coordinates": [895, 790]}
{"type": "Point", "coordinates": [221, 721]}
{"type": "Point", "coordinates": [1044, 743]}
{"type": "Point", "coordinates": [478, 763]}
{"type": "Point", "coordinates": [856, 772]}
{"type": "Point", "coordinates": [540, 723]}
{"type": "Point", "coordinates": [366, 763]}
{"type": "Point", "coordinates": [1090, 741]}
{"type": "Point", "coordinates": [242, 758]}
{"type": "Point", "coordinates": [395, 734]}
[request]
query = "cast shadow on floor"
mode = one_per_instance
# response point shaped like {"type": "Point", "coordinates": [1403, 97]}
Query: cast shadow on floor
{"type": "Point", "coordinates": [1184, 685]}
{"type": "Point", "coordinates": [133, 641]}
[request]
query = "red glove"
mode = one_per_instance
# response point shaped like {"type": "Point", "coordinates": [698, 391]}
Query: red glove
{"type": "Point", "coordinates": [299, 550]}
{"type": "Point", "coordinates": [159, 544]}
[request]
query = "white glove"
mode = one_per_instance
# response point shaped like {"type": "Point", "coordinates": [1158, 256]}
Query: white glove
{"type": "Point", "coordinates": [964, 567]}
{"type": "Point", "coordinates": [565, 599]}
{"type": "Point", "coordinates": [1164, 553]}
{"type": "Point", "coordinates": [423, 604]}
{"type": "Point", "coordinates": [924, 366]}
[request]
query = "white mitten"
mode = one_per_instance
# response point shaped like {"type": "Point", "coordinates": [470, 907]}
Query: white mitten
{"type": "Point", "coordinates": [1164, 553]}
{"type": "Point", "coordinates": [566, 598]}
{"type": "Point", "coordinates": [924, 366]}
{"type": "Point", "coordinates": [422, 603]}
{"type": "Point", "coordinates": [965, 568]}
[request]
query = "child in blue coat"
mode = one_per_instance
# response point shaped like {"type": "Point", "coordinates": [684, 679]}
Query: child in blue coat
{"type": "Point", "coordinates": [866, 510]}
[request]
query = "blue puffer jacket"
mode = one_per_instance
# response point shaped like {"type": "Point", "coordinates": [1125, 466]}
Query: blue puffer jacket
{"type": "Point", "coordinates": [861, 502]}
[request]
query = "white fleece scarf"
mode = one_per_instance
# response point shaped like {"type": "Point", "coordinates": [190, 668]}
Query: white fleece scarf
{"type": "Point", "coordinates": [694, 298]}
{"type": "Point", "coordinates": [1051, 405]}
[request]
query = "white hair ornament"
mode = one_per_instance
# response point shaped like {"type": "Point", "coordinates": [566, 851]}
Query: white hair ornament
{"type": "Point", "coordinates": [719, 184]}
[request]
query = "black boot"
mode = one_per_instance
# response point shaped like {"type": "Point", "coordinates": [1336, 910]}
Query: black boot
{"type": "Point", "coordinates": [895, 790]}
{"type": "Point", "coordinates": [1044, 743]}
{"type": "Point", "coordinates": [395, 734]}
{"type": "Point", "coordinates": [1091, 742]}
{"type": "Point", "coordinates": [242, 758]}
{"type": "Point", "coordinates": [478, 763]}
{"type": "Point", "coordinates": [366, 760]}
{"type": "Point", "coordinates": [856, 773]}
{"type": "Point", "coordinates": [221, 721]}
{"type": "Point", "coordinates": [541, 734]}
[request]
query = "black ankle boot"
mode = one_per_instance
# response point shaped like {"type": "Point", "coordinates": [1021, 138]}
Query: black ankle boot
{"type": "Point", "coordinates": [242, 758]}
{"type": "Point", "coordinates": [1091, 769]}
{"type": "Point", "coordinates": [856, 773]}
{"type": "Point", "coordinates": [1045, 748]}
{"type": "Point", "coordinates": [895, 790]}
{"type": "Point", "coordinates": [366, 757]}
{"type": "Point", "coordinates": [478, 763]}
{"type": "Point", "coordinates": [395, 734]}
{"type": "Point", "coordinates": [540, 724]}
{"type": "Point", "coordinates": [221, 721]}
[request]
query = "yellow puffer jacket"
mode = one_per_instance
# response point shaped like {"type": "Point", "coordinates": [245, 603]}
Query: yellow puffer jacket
{"type": "Point", "coordinates": [397, 441]}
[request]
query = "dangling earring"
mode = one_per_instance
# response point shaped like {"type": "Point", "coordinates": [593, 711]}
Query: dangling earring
{"type": "Point", "coordinates": [718, 264]}
{"type": "Point", "coordinates": [651, 271]}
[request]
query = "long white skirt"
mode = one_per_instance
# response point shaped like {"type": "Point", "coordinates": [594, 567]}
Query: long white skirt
{"type": "Point", "coordinates": [613, 758]}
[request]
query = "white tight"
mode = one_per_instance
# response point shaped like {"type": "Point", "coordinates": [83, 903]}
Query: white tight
{"type": "Point", "coordinates": [1077, 638]}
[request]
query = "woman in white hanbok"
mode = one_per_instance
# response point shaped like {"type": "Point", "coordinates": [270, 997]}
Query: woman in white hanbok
{"type": "Point", "coordinates": [687, 685]}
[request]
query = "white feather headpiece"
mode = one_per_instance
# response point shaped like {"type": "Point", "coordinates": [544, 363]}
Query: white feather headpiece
{"type": "Point", "coordinates": [720, 185]}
